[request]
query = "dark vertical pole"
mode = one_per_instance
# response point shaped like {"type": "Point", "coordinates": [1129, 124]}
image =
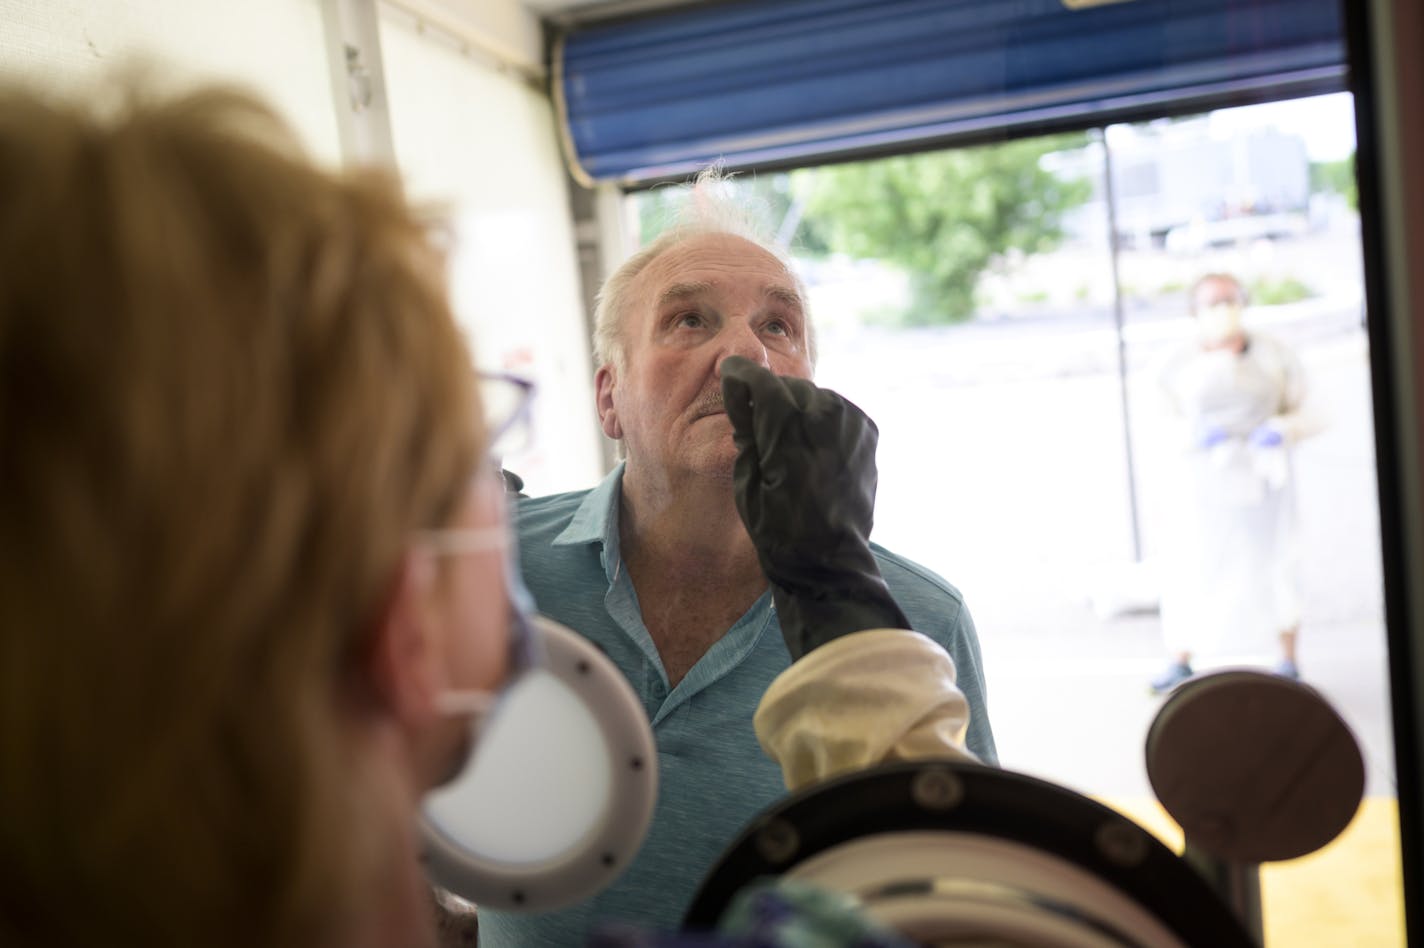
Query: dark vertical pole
{"type": "Point", "coordinates": [1238, 884]}
{"type": "Point", "coordinates": [1388, 84]}
{"type": "Point", "coordinates": [1121, 346]}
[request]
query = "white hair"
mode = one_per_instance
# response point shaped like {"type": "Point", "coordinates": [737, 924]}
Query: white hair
{"type": "Point", "coordinates": [711, 208]}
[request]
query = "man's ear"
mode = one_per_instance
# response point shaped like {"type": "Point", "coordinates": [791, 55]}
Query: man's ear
{"type": "Point", "coordinates": [403, 663]}
{"type": "Point", "coordinates": [604, 381]}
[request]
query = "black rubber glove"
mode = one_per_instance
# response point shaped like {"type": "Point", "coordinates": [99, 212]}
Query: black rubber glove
{"type": "Point", "coordinates": [805, 487]}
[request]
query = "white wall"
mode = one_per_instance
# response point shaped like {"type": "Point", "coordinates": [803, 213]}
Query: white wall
{"type": "Point", "coordinates": [274, 47]}
{"type": "Point", "coordinates": [477, 141]}
{"type": "Point", "coordinates": [486, 145]}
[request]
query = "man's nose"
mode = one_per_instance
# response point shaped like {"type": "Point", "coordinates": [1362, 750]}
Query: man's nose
{"type": "Point", "coordinates": [742, 340]}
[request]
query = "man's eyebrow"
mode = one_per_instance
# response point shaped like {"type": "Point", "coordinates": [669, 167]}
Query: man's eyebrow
{"type": "Point", "coordinates": [682, 291]}
{"type": "Point", "coordinates": [782, 294]}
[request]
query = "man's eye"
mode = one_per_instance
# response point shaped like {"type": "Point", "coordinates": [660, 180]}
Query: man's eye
{"type": "Point", "coordinates": [691, 320]}
{"type": "Point", "coordinates": [778, 327]}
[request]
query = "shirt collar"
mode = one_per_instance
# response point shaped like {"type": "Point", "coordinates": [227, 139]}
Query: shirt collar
{"type": "Point", "coordinates": [596, 520]}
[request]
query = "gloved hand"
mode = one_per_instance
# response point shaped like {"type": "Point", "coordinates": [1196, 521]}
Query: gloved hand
{"type": "Point", "coordinates": [805, 487]}
{"type": "Point", "coordinates": [1267, 436]}
{"type": "Point", "coordinates": [1209, 436]}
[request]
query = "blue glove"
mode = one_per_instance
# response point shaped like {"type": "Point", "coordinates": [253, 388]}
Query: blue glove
{"type": "Point", "coordinates": [1266, 437]}
{"type": "Point", "coordinates": [1210, 436]}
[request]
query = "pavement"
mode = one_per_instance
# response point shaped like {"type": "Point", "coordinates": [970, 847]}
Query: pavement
{"type": "Point", "coordinates": [1004, 467]}
{"type": "Point", "coordinates": [1030, 516]}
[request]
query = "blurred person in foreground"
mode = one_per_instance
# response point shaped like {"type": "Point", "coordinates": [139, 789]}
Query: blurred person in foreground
{"type": "Point", "coordinates": [1237, 397]}
{"type": "Point", "coordinates": [238, 427]}
{"type": "Point", "coordinates": [733, 539]}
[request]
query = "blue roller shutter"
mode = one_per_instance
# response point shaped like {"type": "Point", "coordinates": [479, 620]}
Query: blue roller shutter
{"type": "Point", "coordinates": [786, 81]}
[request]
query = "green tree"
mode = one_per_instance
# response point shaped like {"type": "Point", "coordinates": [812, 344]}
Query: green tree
{"type": "Point", "coordinates": [1337, 176]}
{"type": "Point", "coordinates": [945, 216]}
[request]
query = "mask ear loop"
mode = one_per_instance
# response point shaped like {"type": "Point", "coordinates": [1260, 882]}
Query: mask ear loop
{"type": "Point", "coordinates": [526, 646]}
{"type": "Point", "coordinates": [470, 703]}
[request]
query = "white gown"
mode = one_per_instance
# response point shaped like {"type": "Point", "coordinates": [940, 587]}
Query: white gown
{"type": "Point", "coordinates": [1231, 580]}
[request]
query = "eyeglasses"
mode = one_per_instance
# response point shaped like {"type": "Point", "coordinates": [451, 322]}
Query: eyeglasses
{"type": "Point", "coordinates": [508, 402]}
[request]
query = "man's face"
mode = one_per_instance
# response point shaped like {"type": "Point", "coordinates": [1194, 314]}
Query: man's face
{"type": "Point", "coordinates": [1217, 305]}
{"type": "Point", "coordinates": [708, 297]}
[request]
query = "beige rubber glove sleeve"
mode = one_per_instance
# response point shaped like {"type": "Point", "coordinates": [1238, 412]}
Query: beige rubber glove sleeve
{"type": "Point", "coordinates": [863, 699]}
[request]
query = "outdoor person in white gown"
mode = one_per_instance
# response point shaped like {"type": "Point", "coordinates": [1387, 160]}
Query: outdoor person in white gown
{"type": "Point", "coordinates": [1231, 581]}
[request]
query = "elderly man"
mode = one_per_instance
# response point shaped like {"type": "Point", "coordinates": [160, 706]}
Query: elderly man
{"type": "Point", "coordinates": [656, 566]}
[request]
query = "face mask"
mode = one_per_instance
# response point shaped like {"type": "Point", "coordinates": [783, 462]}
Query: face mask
{"type": "Point", "coordinates": [1219, 323]}
{"type": "Point", "coordinates": [557, 791]}
{"type": "Point", "coordinates": [525, 652]}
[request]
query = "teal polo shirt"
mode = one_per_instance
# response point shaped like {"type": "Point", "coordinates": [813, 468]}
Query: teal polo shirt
{"type": "Point", "coordinates": [712, 775]}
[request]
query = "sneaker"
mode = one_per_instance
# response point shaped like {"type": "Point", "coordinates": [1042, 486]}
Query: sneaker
{"type": "Point", "coordinates": [1287, 669]}
{"type": "Point", "coordinates": [1176, 673]}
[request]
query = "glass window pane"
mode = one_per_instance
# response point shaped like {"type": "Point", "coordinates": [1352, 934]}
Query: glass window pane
{"type": "Point", "coordinates": [972, 303]}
